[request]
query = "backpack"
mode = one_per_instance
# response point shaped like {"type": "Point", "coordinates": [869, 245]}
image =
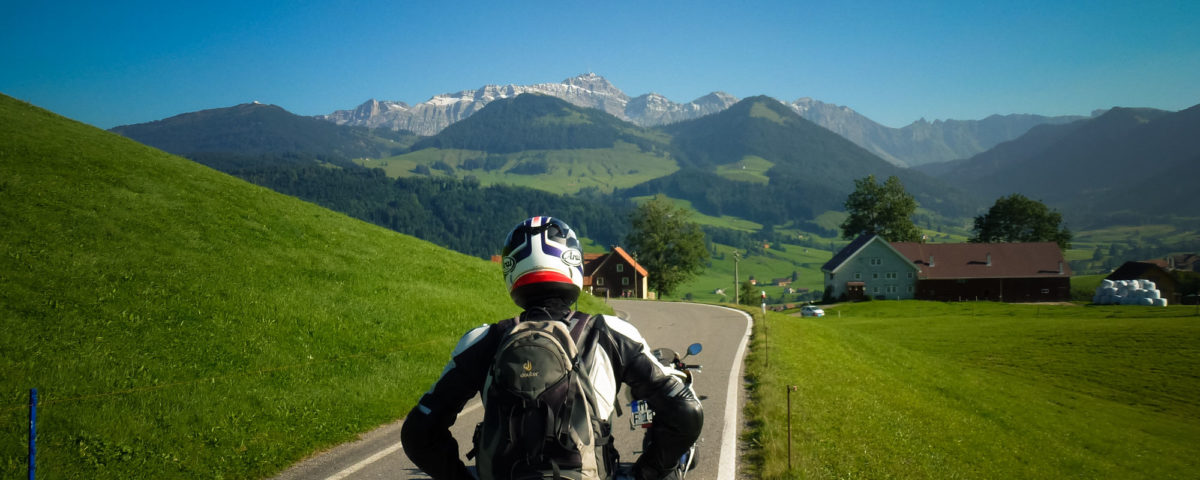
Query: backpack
{"type": "Point", "coordinates": [539, 411]}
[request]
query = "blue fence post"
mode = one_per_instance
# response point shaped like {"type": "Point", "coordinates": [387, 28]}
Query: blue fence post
{"type": "Point", "coordinates": [32, 432]}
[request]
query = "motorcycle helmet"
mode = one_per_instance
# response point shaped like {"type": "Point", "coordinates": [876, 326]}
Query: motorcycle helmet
{"type": "Point", "coordinates": [541, 259]}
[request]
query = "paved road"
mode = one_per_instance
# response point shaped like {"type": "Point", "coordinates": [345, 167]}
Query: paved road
{"type": "Point", "coordinates": [722, 331]}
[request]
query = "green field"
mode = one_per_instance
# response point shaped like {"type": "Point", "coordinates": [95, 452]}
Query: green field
{"type": "Point", "coordinates": [752, 169]}
{"type": "Point", "coordinates": [181, 323]}
{"type": "Point", "coordinates": [566, 171]}
{"type": "Point", "coordinates": [724, 221]}
{"type": "Point", "coordinates": [977, 390]}
{"type": "Point", "coordinates": [806, 262]}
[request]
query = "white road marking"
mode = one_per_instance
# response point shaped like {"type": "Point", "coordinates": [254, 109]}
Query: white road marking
{"type": "Point", "coordinates": [351, 470]}
{"type": "Point", "coordinates": [727, 467]}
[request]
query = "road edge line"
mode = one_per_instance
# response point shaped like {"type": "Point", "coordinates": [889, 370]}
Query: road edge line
{"type": "Point", "coordinates": [727, 465]}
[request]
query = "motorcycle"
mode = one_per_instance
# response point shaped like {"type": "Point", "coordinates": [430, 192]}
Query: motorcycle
{"type": "Point", "coordinates": [643, 416]}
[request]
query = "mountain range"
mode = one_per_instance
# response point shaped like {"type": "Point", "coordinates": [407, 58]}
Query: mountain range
{"type": "Point", "coordinates": [1128, 165]}
{"type": "Point", "coordinates": [758, 159]}
{"type": "Point", "coordinates": [916, 144]}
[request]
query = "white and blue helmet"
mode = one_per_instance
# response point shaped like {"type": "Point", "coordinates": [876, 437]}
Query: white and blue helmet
{"type": "Point", "coordinates": [542, 258]}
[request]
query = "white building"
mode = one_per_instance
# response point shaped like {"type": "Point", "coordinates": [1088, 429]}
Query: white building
{"type": "Point", "coordinates": [870, 266]}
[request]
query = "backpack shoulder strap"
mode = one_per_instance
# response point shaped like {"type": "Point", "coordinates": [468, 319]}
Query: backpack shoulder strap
{"type": "Point", "coordinates": [582, 325]}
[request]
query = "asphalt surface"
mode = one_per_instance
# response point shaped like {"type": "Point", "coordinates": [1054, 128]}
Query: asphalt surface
{"type": "Point", "coordinates": [722, 332]}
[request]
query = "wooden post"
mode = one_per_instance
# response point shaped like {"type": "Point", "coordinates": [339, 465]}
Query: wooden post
{"type": "Point", "coordinates": [33, 400]}
{"type": "Point", "coordinates": [791, 388]}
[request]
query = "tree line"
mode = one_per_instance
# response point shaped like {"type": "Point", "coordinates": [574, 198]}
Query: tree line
{"type": "Point", "coordinates": [460, 215]}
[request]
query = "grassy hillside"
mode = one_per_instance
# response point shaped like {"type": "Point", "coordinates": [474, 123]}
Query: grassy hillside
{"type": "Point", "coordinates": [564, 171]}
{"type": "Point", "coordinates": [978, 390]}
{"type": "Point", "coordinates": [178, 322]}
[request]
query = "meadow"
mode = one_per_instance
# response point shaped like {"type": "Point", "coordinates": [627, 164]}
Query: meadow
{"type": "Point", "coordinates": [178, 322]}
{"type": "Point", "coordinates": [915, 389]}
{"type": "Point", "coordinates": [557, 171]}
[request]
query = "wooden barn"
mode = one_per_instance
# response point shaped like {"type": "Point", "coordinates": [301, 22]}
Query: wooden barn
{"type": "Point", "coordinates": [1166, 283]}
{"type": "Point", "coordinates": [1003, 272]}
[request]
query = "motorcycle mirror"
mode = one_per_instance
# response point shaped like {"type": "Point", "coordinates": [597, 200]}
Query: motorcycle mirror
{"type": "Point", "coordinates": [694, 348]}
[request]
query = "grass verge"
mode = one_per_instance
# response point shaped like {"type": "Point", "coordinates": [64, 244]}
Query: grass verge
{"type": "Point", "coordinates": [181, 323]}
{"type": "Point", "coordinates": [927, 390]}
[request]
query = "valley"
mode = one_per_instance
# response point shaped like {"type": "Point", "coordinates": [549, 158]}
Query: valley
{"type": "Point", "coordinates": [755, 170]}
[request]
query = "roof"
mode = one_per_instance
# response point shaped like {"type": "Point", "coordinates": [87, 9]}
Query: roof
{"type": "Point", "coordinates": [1137, 270]}
{"type": "Point", "coordinates": [1186, 261]}
{"type": "Point", "coordinates": [986, 260]}
{"type": "Point", "coordinates": [593, 261]}
{"type": "Point", "coordinates": [629, 259]}
{"type": "Point", "coordinates": [844, 254]}
{"type": "Point", "coordinates": [852, 249]}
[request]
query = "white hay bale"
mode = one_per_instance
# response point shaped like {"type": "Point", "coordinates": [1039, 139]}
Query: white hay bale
{"type": "Point", "coordinates": [1106, 283]}
{"type": "Point", "coordinates": [1160, 302]}
{"type": "Point", "coordinates": [1153, 294]}
{"type": "Point", "coordinates": [1146, 302]}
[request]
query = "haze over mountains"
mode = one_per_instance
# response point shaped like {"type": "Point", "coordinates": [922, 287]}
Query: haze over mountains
{"type": "Point", "coordinates": [1129, 165]}
{"type": "Point", "coordinates": [757, 159]}
{"type": "Point", "coordinates": [919, 143]}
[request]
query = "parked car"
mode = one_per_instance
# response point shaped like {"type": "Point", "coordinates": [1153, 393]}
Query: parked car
{"type": "Point", "coordinates": [811, 311]}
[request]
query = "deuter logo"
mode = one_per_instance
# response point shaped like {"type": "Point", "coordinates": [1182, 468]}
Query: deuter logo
{"type": "Point", "coordinates": [528, 366]}
{"type": "Point", "coordinates": [572, 257]}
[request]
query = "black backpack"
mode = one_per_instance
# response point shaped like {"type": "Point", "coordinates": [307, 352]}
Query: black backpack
{"type": "Point", "coordinates": [540, 416]}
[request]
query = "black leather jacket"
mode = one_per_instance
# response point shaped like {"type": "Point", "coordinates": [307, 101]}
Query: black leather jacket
{"type": "Point", "coordinates": [426, 432]}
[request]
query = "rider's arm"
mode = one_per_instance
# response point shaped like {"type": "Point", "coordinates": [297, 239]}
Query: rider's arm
{"type": "Point", "coordinates": [426, 432]}
{"type": "Point", "coordinates": [678, 415]}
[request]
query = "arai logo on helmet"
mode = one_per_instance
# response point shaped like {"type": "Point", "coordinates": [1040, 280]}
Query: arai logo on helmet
{"type": "Point", "coordinates": [509, 265]}
{"type": "Point", "coordinates": [572, 257]}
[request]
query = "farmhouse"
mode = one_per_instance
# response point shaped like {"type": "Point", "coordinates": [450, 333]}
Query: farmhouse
{"type": "Point", "coordinates": [615, 274]}
{"type": "Point", "coordinates": [870, 266]}
{"type": "Point", "coordinates": [1003, 272]}
{"type": "Point", "coordinates": [1012, 272]}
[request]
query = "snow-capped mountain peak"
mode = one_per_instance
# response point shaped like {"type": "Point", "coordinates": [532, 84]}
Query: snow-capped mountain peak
{"type": "Point", "coordinates": [587, 90]}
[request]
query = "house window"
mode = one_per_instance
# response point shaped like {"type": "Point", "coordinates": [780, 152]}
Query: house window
{"type": "Point", "coordinates": [625, 281]}
{"type": "Point", "coordinates": [910, 274]}
{"type": "Point", "coordinates": [876, 261]}
{"type": "Point", "coordinates": [857, 276]}
{"type": "Point", "coordinates": [910, 289]}
{"type": "Point", "coordinates": [891, 275]}
{"type": "Point", "coordinates": [831, 276]}
{"type": "Point", "coordinates": [620, 267]}
{"type": "Point", "coordinates": [876, 290]}
{"type": "Point", "coordinates": [874, 276]}
{"type": "Point", "coordinates": [1045, 291]}
{"type": "Point", "coordinates": [600, 281]}
{"type": "Point", "coordinates": [891, 289]}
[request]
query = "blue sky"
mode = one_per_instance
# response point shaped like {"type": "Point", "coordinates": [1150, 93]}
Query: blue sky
{"type": "Point", "coordinates": [116, 63]}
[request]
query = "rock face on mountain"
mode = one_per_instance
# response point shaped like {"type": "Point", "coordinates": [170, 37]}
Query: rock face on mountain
{"type": "Point", "coordinates": [916, 144]}
{"type": "Point", "coordinates": [587, 90]}
{"type": "Point", "coordinates": [653, 109]}
{"type": "Point", "coordinates": [430, 117]}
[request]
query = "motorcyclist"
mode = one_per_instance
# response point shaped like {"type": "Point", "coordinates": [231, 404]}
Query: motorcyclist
{"type": "Point", "coordinates": [543, 270]}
